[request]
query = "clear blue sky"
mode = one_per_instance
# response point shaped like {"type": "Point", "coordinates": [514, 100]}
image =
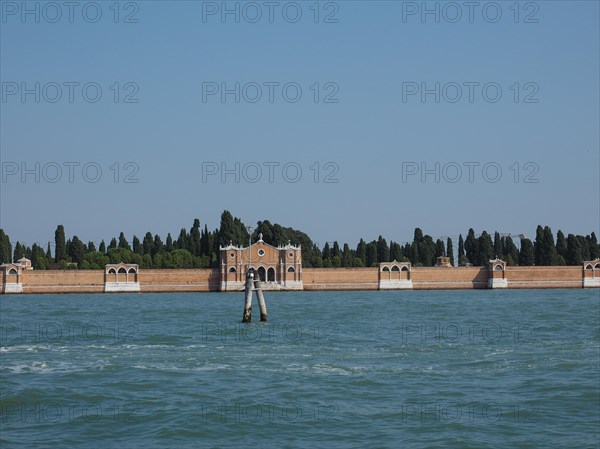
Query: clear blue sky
{"type": "Point", "coordinates": [375, 53]}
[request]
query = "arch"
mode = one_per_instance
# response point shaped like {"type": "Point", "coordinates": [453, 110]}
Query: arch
{"type": "Point", "coordinates": [132, 270]}
{"type": "Point", "coordinates": [404, 268]}
{"type": "Point", "coordinates": [122, 270]}
{"type": "Point", "coordinates": [291, 270]}
{"type": "Point", "coordinates": [232, 270]}
{"type": "Point", "coordinates": [597, 266]}
{"type": "Point", "coordinates": [271, 275]}
{"type": "Point", "coordinates": [111, 271]}
{"type": "Point", "coordinates": [589, 266]}
{"type": "Point", "coordinates": [385, 268]}
{"type": "Point", "coordinates": [395, 268]}
{"type": "Point", "coordinates": [12, 271]}
{"type": "Point", "coordinates": [498, 267]}
{"type": "Point", "coordinates": [262, 273]}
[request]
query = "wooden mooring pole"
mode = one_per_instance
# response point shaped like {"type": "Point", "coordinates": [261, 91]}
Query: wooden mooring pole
{"type": "Point", "coordinates": [252, 285]}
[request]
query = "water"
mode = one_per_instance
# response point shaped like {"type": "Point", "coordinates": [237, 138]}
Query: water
{"type": "Point", "coordinates": [465, 369]}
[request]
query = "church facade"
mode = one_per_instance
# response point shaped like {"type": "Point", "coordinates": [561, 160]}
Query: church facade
{"type": "Point", "coordinates": [279, 268]}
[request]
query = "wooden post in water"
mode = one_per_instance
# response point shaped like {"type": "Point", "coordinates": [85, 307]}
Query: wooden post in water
{"type": "Point", "coordinates": [252, 285]}
{"type": "Point", "coordinates": [248, 297]}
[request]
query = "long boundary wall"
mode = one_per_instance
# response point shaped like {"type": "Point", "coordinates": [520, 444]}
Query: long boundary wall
{"type": "Point", "coordinates": [207, 280]}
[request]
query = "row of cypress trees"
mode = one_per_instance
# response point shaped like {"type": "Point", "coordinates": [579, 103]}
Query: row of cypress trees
{"type": "Point", "coordinates": [199, 248]}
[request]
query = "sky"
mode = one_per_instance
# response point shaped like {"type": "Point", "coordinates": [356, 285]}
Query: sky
{"type": "Point", "coordinates": [344, 119]}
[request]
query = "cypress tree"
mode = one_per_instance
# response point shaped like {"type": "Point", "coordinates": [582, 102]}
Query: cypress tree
{"type": "Point", "coordinates": [326, 254]}
{"type": "Point", "coordinates": [361, 252]}
{"type": "Point", "coordinates": [169, 244]}
{"type": "Point", "coordinates": [549, 253]}
{"type": "Point", "coordinates": [539, 246]}
{"type": "Point", "coordinates": [335, 251]}
{"type": "Point", "coordinates": [19, 251]}
{"type": "Point", "coordinates": [112, 244]}
{"type": "Point", "coordinates": [450, 250]}
{"type": "Point", "coordinates": [471, 247]}
{"type": "Point", "coordinates": [486, 249]}
{"type": "Point", "coordinates": [440, 250]}
{"type": "Point", "coordinates": [347, 258]}
{"type": "Point", "coordinates": [574, 255]}
{"type": "Point", "coordinates": [60, 251]}
{"type": "Point", "coordinates": [498, 246]}
{"type": "Point", "coordinates": [383, 250]}
{"type": "Point", "coordinates": [48, 253]}
{"type": "Point", "coordinates": [510, 251]}
{"type": "Point", "coordinates": [76, 251]}
{"type": "Point", "coordinates": [372, 254]}
{"type": "Point", "coordinates": [102, 247]}
{"type": "Point", "coordinates": [91, 247]}
{"type": "Point", "coordinates": [593, 248]}
{"type": "Point", "coordinates": [157, 246]}
{"type": "Point", "coordinates": [585, 250]}
{"type": "Point", "coordinates": [148, 243]}
{"type": "Point", "coordinates": [561, 244]}
{"type": "Point", "coordinates": [462, 258]}
{"type": "Point", "coordinates": [5, 248]}
{"type": "Point", "coordinates": [194, 246]}
{"type": "Point", "coordinates": [137, 246]}
{"type": "Point", "coordinates": [123, 244]}
{"type": "Point", "coordinates": [527, 254]}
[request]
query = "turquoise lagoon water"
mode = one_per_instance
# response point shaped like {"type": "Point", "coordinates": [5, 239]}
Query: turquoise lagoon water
{"type": "Point", "coordinates": [460, 369]}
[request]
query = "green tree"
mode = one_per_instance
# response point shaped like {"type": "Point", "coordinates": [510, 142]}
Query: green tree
{"type": "Point", "coordinates": [527, 253]}
{"type": "Point", "coordinates": [462, 258]}
{"type": "Point", "coordinates": [594, 249]}
{"type": "Point", "coordinates": [450, 250]}
{"type": "Point", "coordinates": [137, 246]}
{"type": "Point", "coordinates": [91, 247]}
{"type": "Point", "coordinates": [361, 252]}
{"type": "Point", "coordinates": [148, 243]}
{"type": "Point", "coordinates": [194, 246]}
{"type": "Point", "coordinates": [169, 244]}
{"type": "Point", "coordinates": [347, 258]}
{"type": "Point", "coordinates": [371, 254]}
{"type": "Point", "coordinates": [49, 254]}
{"type": "Point", "coordinates": [157, 246]}
{"type": "Point", "coordinates": [561, 244]}
{"type": "Point", "coordinates": [5, 248]}
{"type": "Point", "coordinates": [486, 249]}
{"type": "Point", "coordinates": [472, 247]}
{"type": "Point", "coordinates": [549, 253]}
{"type": "Point", "coordinates": [60, 251]}
{"type": "Point", "coordinates": [112, 244]}
{"type": "Point", "coordinates": [76, 250]}
{"type": "Point", "coordinates": [102, 247]}
{"type": "Point", "coordinates": [539, 246]}
{"type": "Point", "coordinates": [510, 251]}
{"type": "Point", "coordinates": [19, 251]}
{"type": "Point", "coordinates": [383, 250]}
{"type": "Point", "coordinates": [440, 250]}
{"type": "Point", "coordinates": [574, 253]}
{"type": "Point", "coordinates": [498, 246]}
{"type": "Point", "coordinates": [395, 251]}
{"type": "Point", "coordinates": [123, 244]}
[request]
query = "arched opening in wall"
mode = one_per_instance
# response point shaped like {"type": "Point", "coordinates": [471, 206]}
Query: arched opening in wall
{"type": "Point", "coordinates": [132, 274]}
{"type": "Point", "coordinates": [498, 268]}
{"type": "Point", "coordinates": [121, 275]}
{"type": "Point", "coordinates": [395, 275]}
{"type": "Point", "coordinates": [12, 271]}
{"type": "Point", "coordinates": [589, 266]}
{"type": "Point", "coordinates": [262, 274]}
{"type": "Point", "coordinates": [271, 275]}
{"type": "Point", "coordinates": [231, 274]}
{"type": "Point", "coordinates": [404, 273]}
{"type": "Point", "coordinates": [111, 271]}
{"type": "Point", "coordinates": [385, 268]}
{"type": "Point", "coordinates": [290, 273]}
{"type": "Point", "coordinates": [597, 266]}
